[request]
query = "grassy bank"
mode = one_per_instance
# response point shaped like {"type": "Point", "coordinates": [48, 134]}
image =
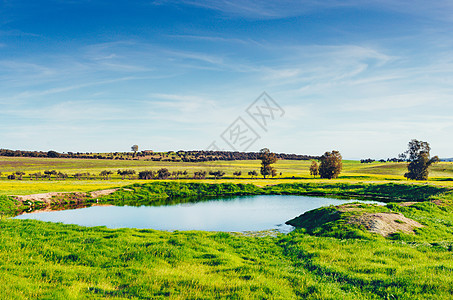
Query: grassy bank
{"type": "Point", "coordinates": [10, 207]}
{"type": "Point", "coordinates": [172, 192]}
{"type": "Point", "coordinates": [149, 193]}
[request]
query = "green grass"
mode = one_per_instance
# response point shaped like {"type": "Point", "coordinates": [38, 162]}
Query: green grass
{"type": "Point", "coordinates": [9, 207]}
{"type": "Point", "coordinates": [56, 261]}
{"type": "Point", "coordinates": [41, 260]}
{"type": "Point", "coordinates": [139, 194]}
{"type": "Point", "coordinates": [70, 262]}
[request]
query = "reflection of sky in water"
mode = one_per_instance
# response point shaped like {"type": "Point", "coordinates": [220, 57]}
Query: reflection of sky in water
{"type": "Point", "coordinates": [235, 214]}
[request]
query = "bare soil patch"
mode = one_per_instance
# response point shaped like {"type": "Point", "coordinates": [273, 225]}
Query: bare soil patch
{"type": "Point", "coordinates": [47, 197]}
{"type": "Point", "coordinates": [97, 194]}
{"type": "Point", "coordinates": [386, 224]}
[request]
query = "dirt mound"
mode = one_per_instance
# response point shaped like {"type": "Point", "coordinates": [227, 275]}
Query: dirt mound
{"type": "Point", "coordinates": [406, 203]}
{"type": "Point", "coordinates": [386, 223]}
{"type": "Point", "coordinates": [47, 197]}
{"type": "Point", "coordinates": [97, 194]}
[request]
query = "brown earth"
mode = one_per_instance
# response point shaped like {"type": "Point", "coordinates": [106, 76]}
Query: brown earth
{"type": "Point", "coordinates": [47, 197]}
{"type": "Point", "coordinates": [406, 203]}
{"type": "Point", "coordinates": [386, 223]}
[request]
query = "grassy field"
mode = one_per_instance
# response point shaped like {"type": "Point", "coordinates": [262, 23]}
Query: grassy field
{"type": "Point", "coordinates": [55, 261]}
{"type": "Point", "coordinates": [330, 260]}
{"type": "Point", "coordinates": [292, 171]}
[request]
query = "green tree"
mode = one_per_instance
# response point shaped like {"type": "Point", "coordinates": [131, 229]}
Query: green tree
{"type": "Point", "coordinates": [134, 148]}
{"type": "Point", "coordinates": [62, 175]}
{"type": "Point", "coordinates": [53, 154]}
{"type": "Point", "coordinates": [199, 174]}
{"type": "Point", "coordinates": [124, 173]}
{"type": "Point", "coordinates": [331, 165]}
{"type": "Point", "coordinates": [419, 160]}
{"type": "Point", "coordinates": [314, 169]}
{"type": "Point", "coordinates": [267, 159]}
{"type": "Point", "coordinates": [50, 173]}
{"type": "Point", "coordinates": [217, 174]}
{"type": "Point", "coordinates": [106, 174]}
{"type": "Point", "coordinates": [163, 173]}
{"type": "Point", "coordinates": [253, 173]}
{"type": "Point", "coordinates": [146, 175]}
{"type": "Point", "coordinates": [20, 174]}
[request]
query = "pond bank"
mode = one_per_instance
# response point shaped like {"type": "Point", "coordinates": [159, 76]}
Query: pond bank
{"type": "Point", "coordinates": [161, 193]}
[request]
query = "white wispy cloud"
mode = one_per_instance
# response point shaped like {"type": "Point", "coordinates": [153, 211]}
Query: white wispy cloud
{"type": "Point", "coordinates": [26, 68]}
{"type": "Point", "coordinates": [187, 103]}
{"type": "Point", "coordinates": [214, 39]}
{"type": "Point", "coordinates": [16, 32]}
{"type": "Point", "coordinates": [268, 9]}
{"type": "Point", "coordinates": [202, 57]}
{"type": "Point", "coordinates": [397, 102]}
{"type": "Point", "coordinates": [68, 112]}
{"type": "Point", "coordinates": [255, 9]}
{"type": "Point", "coordinates": [51, 91]}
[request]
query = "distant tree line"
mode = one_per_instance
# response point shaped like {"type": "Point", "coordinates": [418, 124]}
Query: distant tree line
{"type": "Point", "coordinates": [170, 156]}
{"type": "Point", "coordinates": [195, 156]}
{"type": "Point", "coordinates": [162, 173]}
{"type": "Point", "coordinates": [370, 160]}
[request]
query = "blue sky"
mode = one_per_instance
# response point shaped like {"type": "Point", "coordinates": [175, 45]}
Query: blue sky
{"type": "Point", "coordinates": [361, 77]}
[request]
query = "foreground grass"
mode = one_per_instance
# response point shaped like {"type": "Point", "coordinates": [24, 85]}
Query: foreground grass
{"type": "Point", "coordinates": [56, 261]}
{"type": "Point", "coordinates": [41, 260]}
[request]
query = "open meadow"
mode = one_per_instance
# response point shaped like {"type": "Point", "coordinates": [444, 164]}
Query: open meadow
{"type": "Point", "coordinates": [331, 254]}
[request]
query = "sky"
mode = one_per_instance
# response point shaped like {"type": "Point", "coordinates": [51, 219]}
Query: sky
{"type": "Point", "coordinates": [361, 77]}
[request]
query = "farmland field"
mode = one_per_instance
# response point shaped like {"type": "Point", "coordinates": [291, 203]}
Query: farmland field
{"type": "Point", "coordinates": [292, 171]}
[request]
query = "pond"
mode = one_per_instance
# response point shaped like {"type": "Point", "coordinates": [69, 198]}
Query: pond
{"type": "Point", "coordinates": [242, 213]}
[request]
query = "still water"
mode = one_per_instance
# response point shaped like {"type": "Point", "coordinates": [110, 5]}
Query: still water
{"type": "Point", "coordinates": [243, 213]}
